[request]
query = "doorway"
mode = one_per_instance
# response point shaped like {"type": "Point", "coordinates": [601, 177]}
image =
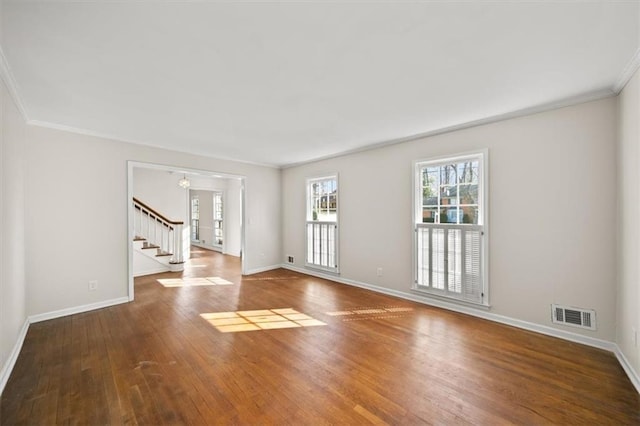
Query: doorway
{"type": "Point", "coordinates": [215, 218]}
{"type": "Point", "coordinates": [172, 187]}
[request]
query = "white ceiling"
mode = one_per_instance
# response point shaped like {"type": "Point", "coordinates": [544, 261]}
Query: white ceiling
{"type": "Point", "coordinates": [291, 81]}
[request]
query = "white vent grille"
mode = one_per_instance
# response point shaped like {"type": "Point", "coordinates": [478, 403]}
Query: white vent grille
{"type": "Point", "coordinates": [575, 317]}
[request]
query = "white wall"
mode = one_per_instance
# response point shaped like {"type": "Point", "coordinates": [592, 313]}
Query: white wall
{"type": "Point", "coordinates": [552, 211]}
{"type": "Point", "coordinates": [233, 217]}
{"type": "Point", "coordinates": [628, 186]}
{"type": "Point", "coordinates": [76, 188]}
{"type": "Point", "coordinates": [159, 190]}
{"type": "Point", "coordinates": [13, 312]}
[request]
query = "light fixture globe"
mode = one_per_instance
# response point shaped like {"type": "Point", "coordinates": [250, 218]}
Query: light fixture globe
{"type": "Point", "coordinates": [184, 182]}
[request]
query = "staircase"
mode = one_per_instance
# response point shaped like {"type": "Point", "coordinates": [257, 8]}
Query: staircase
{"type": "Point", "coordinates": [157, 244]}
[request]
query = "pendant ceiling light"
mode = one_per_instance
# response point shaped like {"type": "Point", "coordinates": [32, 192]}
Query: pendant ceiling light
{"type": "Point", "coordinates": [184, 182]}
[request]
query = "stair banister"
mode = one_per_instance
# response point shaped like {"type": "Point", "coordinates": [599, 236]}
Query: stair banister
{"type": "Point", "coordinates": [168, 238]}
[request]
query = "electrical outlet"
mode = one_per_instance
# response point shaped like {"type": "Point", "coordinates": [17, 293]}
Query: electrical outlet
{"type": "Point", "coordinates": [379, 272]}
{"type": "Point", "coordinates": [93, 285]}
{"type": "Point", "coordinates": [290, 259]}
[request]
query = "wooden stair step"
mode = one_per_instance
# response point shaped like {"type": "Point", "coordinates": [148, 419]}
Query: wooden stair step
{"type": "Point", "coordinates": [164, 254]}
{"type": "Point", "coordinates": [150, 247]}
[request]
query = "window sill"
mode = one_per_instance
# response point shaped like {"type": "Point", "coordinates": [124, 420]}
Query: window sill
{"type": "Point", "coordinates": [316, 268]}
{"type": "Point", "coordinates": [452, 300]}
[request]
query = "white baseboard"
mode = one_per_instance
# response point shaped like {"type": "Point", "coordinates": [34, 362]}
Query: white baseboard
{"type": "Point", "coordinates": [626, 365]}
{"type": "Point", "coordinates": [573, 337]}
{"type": "Point", "coordinates": [77, 309]}
{"type": "Point", "coordinates": [262, 269]}
{"type": "Point", "coordinates": [157, 270]}
{"type": "Point", "coordinates": [482, 313]}
{"type": "Point", "coordinates": [11, 361]}
{"type": "Point", "coordinates": [208, 247]}
{"type": "Point", "coordinates": [7, 368]}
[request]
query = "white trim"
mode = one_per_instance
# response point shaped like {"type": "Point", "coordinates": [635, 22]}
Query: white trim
{"type": "Point", "coordinates": [261, 269]}
{"type": "Point", "coordinates": [309, 181]}
{"type": "Point", "coordinates": [476, 312]}
{"type": "Point", "coordinates": [217, 249]}
{"type": "Point", "coordinates": [550, 106]}
{"type": "Point", "coordinates": [117, 138]}
{"type": "Point", "coordinates": [10, 82]}
{"type": "Point", "coordinates": [482, 155]}
{"type": "Point", "coordinates": [627, 73]}
{"type": "Point", "coordinates": [131, 165]}
{"type": "Point", "coordinates": [130, 231]}
{"type": "Point", "coordinates": [157, 270]}
{"type": "Point", "coordinates": [627, 367]}
{"type": "Point", "coordinates": [243, 226]}
{"type": "Point", "coordinates": [7, 368]}
{"type": "Point", "coordinates": [77, 309]}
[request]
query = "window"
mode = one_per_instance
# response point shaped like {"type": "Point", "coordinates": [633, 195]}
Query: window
{"type": "Point", "coordinates": [195, 218]}
{"type": "Point", "coordinates": [450, 228]}
{"type": "Point", "coordinates": [217, 218]}
{"type": "Point", "coordinates": [322, 223]}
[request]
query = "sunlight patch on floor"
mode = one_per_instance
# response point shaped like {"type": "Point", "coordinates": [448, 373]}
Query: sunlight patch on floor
{"type": "Point", "coordinates": [370, 310]}
{"type": "Point", "coordinates": [193, 282]}
{"type": "Point", "coordinates": [264, 319]}
{"type": "Point", "coordinates": [370, 313]}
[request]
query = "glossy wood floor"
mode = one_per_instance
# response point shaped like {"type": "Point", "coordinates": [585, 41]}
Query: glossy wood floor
{"type": "Point", "coordinates": [376, 360]}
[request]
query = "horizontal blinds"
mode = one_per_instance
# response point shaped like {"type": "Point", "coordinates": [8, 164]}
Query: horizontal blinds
{"type": "Point", "coordinates": [322, 245]}
{"type": "Point", "coordinates": [449, 260]}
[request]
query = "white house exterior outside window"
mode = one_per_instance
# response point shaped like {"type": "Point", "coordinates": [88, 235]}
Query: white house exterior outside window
{"type": "Point", "coordinates": [322, 223]}
{"type": "Point", "coordinates": [450, 227]}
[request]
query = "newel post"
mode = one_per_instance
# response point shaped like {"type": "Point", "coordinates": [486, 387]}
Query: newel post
{"type": "Point", "coordinates": [177, 260]}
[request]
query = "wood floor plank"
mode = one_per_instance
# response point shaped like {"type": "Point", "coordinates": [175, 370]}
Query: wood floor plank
{"type": "Point", "coordinates": [376, 360]}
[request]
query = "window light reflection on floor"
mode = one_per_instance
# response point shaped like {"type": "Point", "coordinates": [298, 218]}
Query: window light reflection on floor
{"type": "Point", "coordinates": [189, 282]}
{"type": "Point", "coordinates": [265, 319]}
{"type": "Point", "coordinates": [365, 311]}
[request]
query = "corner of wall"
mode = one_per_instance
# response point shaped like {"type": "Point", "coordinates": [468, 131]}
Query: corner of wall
{"type": "Point", "coordinates": [7, 77]}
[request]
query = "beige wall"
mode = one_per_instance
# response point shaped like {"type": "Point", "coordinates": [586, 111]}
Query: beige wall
{"type": "Point", "coordinates": [552, 211]}
{"type": "Point", "coordinates": [233, 218]}
{"type": "Point", "coordinates": [628, 186]}
{"type": "Point", "coordinates": [12, 240]}
{"type": "Point", "coordinates": [76, 188]}
{"type": "Point", "coordinates": [159, 190]}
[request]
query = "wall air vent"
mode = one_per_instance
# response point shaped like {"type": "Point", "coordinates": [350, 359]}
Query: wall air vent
{"type": "Point", "coordinates": [575, 317]}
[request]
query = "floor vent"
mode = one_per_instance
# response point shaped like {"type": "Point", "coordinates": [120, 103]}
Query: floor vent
{"type": "Point", "coordinates": [575, 317]}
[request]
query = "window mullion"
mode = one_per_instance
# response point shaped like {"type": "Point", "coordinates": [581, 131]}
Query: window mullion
{"type": "Point", "coordinates": [321, 216]}
{"type": "Point", "coordinates": [449, 260]}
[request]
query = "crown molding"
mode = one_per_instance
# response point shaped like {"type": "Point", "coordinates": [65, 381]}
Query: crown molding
{"type": "Point", "coordinates": [561, 103]}
{"type": "Point", "coordinates": [627, 73]}
{"type": "Point", "coordinates": [85, 132]}
{"type": "Point", "coordinates": [7, 77]}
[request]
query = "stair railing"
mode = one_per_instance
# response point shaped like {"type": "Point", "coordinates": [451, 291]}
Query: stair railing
{"type": "Point", "coordinates": [158, 230]}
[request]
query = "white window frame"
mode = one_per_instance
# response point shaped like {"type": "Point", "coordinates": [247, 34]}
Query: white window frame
{"type": "Point", "coordinates": [195, 230]}
{"type": "Point", "coordinates": [218, 223]}
{"type": "Point", "coordinates": [483, 224]}
{"type": "Point", "coordinates": [316, 227]}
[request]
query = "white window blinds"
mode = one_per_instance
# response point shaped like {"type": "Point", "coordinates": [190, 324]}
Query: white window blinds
{"type": "Point", "coordinates": [450, 230]}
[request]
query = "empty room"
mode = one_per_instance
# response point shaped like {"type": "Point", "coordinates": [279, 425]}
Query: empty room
{"type": "Point", "coordinates": [312, 212]}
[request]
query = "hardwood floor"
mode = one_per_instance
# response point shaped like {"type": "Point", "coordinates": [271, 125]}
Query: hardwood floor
{"type": "Point", "coordinates": [376, 359]}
